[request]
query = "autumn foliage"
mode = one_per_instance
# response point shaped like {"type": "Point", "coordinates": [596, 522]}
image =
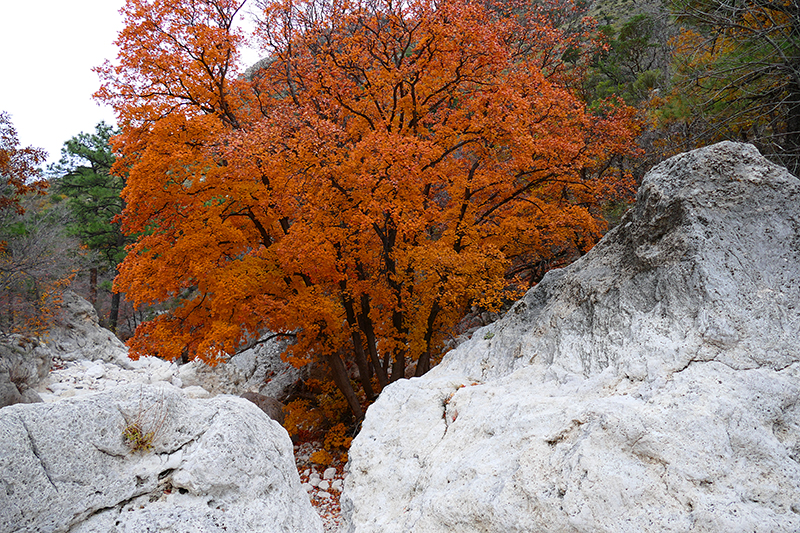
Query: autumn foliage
{"type": "Point", "coordinates": [375, 176]}
{"type": "Point", "coordinates": [31, 277]}
{"type": "Point", "coordinates": [19, 168]}
{"type": "Point", "coordinates": [737, 76]}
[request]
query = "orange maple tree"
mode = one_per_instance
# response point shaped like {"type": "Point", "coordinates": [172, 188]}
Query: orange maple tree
{"type": "Point", "coordinates": [360, 188]}
{"type": "Point", "coordinates": [20, 171]}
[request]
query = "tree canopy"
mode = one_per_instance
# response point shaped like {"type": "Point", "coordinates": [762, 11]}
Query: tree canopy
{"type": "Point", "coordinates": [738, 74]}
{"type": "Point", "coordinates": [20, 171]}
{"type": "Point", "coordinates": [32, 274]}
{"type": "Point", "coordinates": [367, 183]}
{"type": "Point", "coordinates": [84, 176]}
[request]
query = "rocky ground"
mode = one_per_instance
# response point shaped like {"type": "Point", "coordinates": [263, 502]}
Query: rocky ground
{"type": "Point", "coordinates": [323, 484]}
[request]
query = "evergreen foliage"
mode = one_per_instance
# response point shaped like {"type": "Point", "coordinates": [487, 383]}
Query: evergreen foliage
{"type": "Point", "coordinates": [93, 195]}
{"type": "Point", "coordinates": [738, 75]}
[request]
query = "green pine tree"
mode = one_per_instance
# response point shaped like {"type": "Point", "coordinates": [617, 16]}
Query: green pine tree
{"type": "Point", "coordinates": [84, 176]}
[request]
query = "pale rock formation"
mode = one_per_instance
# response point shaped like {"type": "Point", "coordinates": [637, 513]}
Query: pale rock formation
{"type": "Point", "coordinates": [79, 336]}
{"type": "Point", "coordinates": [22, 367]}
{"type": "Point", "coordinates": [91, 359]}
{"type": "Point", "coordinates": [80, 377]}
{"type": "Point", "coordinates": [259, 369]}
{"type": "Point", "coordinates": [76, 335]}
{"type": "Point", "coordinates": [215, 465]}
{"type": "Point", "coordinates": [652, 386]}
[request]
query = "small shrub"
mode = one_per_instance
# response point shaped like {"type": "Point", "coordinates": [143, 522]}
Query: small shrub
{"type": "Point", "coordinates": [138, 439]}
{"type": "Point", "coordinates": [332, 402]}
{"type": "Point", "coordinates": [302, 420]}
{"type": "Point", "coordinates": [321, 457]}
{"type": "Point", "coordinates": [321, 416]}
{"type": "Point", "coordinates": [141, 431]}
{"type": "Point", "coordinates": [336, 437]}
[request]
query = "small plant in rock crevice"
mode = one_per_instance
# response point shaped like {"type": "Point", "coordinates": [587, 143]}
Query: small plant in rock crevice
{"type": "Point", "coordinates": [142, 430]}
{"type": "Point", "coordinates": [137, 439]}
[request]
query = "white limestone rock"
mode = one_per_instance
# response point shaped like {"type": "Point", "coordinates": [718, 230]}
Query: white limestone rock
{"type": "Point", "coordinates": [78, 335]}
{"type": "Point", "coordinates": [79, 377]}
{"type": "Point", "coordinates": [23, 365]}
{"type": "Point", "coordinates": [652, 386]}
{"type": "Point", "coordinates": [258, 369]}
{"type": "Point", "coordinates": [215, 465]}
{"type": "Point", "coordinates": [196, 392]}
{"type": "Point", "coordinates": [78, 338]}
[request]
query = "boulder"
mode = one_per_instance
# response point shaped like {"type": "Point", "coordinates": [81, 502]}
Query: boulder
{"type": "Point", "coordinates": [77, 335]}
{"type": "Point", "coordinates": [79, 377]}
{"type": "Point", "coordinates": [255, 369]}
{"type": "Point", "coordinates": [91, 359]}
{"type": "Point", "coordinates": [272, 407]}
{"type": "Point", "coordinates": [147, 458]}
{"type": "Point", "coordinates": [258, 369]}
{"type": "Point", "coordinates": [23, 365]}
{"type": "Point", "coordinates": [651, 386]}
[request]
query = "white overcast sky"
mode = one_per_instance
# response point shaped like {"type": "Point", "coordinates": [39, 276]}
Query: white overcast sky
{"type": "Point", "coordinates": [47, 51]}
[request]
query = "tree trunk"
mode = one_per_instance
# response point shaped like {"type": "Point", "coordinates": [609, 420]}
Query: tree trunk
{"type": "Point", "coordinates": [424, 362]}
{"type": "Point", "coordinates": [358, 347]}
{"type": "Point", "coordinates": [342, 381]}
{"type": "Point", "coordinates": [399, 366]}
{"type": "Point", "coordinates": [93, 286]}
{"type": "Point", "coordinates": [365, 323]}
{"type": "Point", "coordinates": [363, 366]}
{"type": "Point", "coordinates": [114, 314]}
{"type": "Point", "coordinates": [399, 361]}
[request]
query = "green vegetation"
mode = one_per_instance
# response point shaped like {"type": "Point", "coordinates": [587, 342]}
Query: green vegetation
{"type": "Point", "coordinates": [737, 74]}
{"type": "Point", "coordinates": [142, 429]}
{"type": "Point", "coordinates": [84, 176]}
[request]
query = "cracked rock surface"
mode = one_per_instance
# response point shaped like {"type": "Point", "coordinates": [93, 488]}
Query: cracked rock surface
{"type": "Point", "coordinates": [652, 386]}
{"type": "Point", "coordinates": [208, 465]}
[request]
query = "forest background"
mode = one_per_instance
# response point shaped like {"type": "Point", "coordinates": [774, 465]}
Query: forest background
{"type": "Point", "coordinates": [389, 176]}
